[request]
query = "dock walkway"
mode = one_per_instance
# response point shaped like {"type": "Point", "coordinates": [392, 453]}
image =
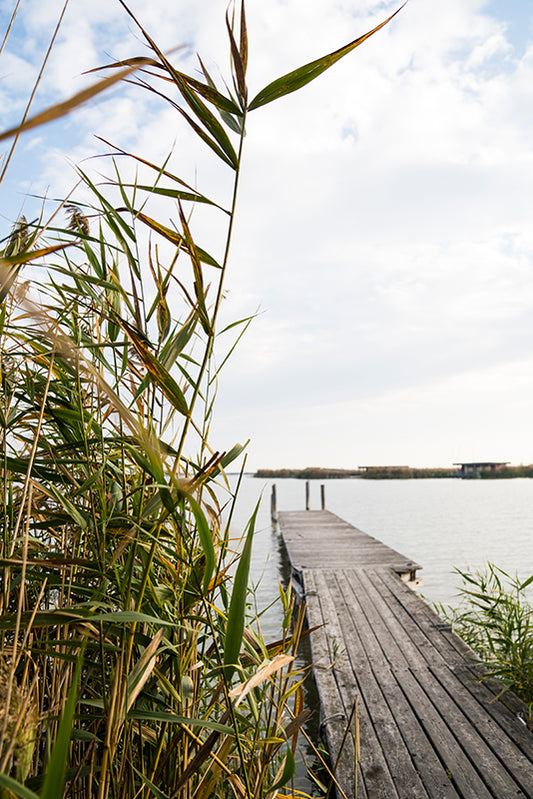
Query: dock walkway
{"type": "Point", "coordinates": [429, 727]}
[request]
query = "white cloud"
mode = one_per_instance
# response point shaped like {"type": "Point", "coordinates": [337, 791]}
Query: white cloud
{"type": "Point", "coordinates": [384, 219]}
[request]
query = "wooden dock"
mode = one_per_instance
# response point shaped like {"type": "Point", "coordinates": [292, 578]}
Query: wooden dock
{"type": "Point", "coordinates": [429, 726]}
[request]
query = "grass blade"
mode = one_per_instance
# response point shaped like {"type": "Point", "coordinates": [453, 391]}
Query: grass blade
{"type": "Point", "coordinates": [16, 788]}
{"type": "Point", "coordinates": [56, 767]}
{"type": "Point", "coordinates": [294, 80]}
{"type": "Point", "coordinates": [61, 109]}
{"type": "Point", "coordinates": [236, 612]}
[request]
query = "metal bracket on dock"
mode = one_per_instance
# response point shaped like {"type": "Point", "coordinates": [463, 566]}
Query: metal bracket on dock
{"type": "Point", "coordinates": [326, 721]}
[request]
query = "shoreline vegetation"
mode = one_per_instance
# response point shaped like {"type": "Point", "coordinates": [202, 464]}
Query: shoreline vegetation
{"type": "Point", "coordinates": [390, 473]}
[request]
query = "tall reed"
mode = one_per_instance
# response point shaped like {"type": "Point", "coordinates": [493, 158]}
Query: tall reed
{"type": "Point", "coordinates": [129, 666]}
{"type": "Point", "coordinates": [495, 618]}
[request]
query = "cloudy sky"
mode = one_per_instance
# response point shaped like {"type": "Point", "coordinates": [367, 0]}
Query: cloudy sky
{"type": "Point", "coordinates": [385, 232]}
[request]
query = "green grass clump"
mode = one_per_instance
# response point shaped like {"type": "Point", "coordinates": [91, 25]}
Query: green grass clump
{"type": "Point", "coordinates": [495, 618]}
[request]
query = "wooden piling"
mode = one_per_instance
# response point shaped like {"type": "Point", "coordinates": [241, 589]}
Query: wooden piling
{"type": "Point", "coordinates": [274, 505]}
{"type": "Point", "coordinates": [323, 496]}
{"type": "Point", "coordinates": [307, 496]}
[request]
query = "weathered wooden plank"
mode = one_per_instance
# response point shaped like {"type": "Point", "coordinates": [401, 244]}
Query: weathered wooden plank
{"type": "Point", "coordinates": [395, 680]}
{"type": "Point", "coordinates": [334, 711]}
{"type": "Point", "coordinates": [452, 654]}
{"type": "Point", "coordinates": [316, 539]}
{"type": "Point", "coordinates": [429, 726]}
{"type": "Point", "coordinates": [414, 766]}
{"type": "Point", "coordinates": [374, 770]}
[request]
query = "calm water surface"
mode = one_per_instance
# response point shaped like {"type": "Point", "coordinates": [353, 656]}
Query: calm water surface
{"type": "Point", "coordinates": [441, 523]}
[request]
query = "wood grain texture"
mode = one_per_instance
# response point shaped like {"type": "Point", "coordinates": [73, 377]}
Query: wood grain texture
{"type": "Point", "coordinates": [431, 725]}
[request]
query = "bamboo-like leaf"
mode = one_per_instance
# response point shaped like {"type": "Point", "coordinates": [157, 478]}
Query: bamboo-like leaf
{"type": "Point", "coordinates": [160, 376]}
{"type": "Point", "coordinates": [179, 341]}
{"type": "Point", "coordinates": [236, 57]}
{"type": "Point", "coordinates": [176, 194]}
{"type": "Point", "coordinates": [71, 509]}
{"type": "Point", "coordinates": [243, 44]}
{"type": "Point", "coordinates": [155, 791]}
{"type": "Point", "coordinates": [225, 148]}
{"type": "Point", "coordinates": [294, 80]}
{"type": "Point", "coordinates": [285, 772]}
{"type": "Point", "coordinates": [162, 172]}
{"type": "Point", "coordinates": [62, 617]}
{"type": "Point", "coordinates": [60, 109]}
{"type": "Point", "coordinates": [206, 540]}
{"type": "Point", "coordinates": [197, 269]}
{"type": "Point", "coordinates": [176, 238]}
{"type": "Point", "coordinates": [236, 612]}
{"type": "Point", "coordinates": [209, 92]}
{"type": "Point", "coordinates": [10, 265]}
{"type": "Point", "coordinates": [171, 718]}
{"type": "Point", "coordinates": [230, 161]}
{"type": "Point", "coordinates": [231, 122]}
{"type": "Point", "coordinates": [16, 788]}
{"type": "Point", "coordinates": [57, 764]}
{"type": "Point", "coordinates": [142, 670]}
{"type": "Point", "coordinates": [525, 583]}
{"type": "Point", "coordinates": [279, 662]}
{"type": "Point", "coordinates": [229, 457]}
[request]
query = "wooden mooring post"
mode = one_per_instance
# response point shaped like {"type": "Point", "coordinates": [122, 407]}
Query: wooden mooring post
{"type": "Point", "coordinates": [274, 505]}
{"type": "Point", "coordinates": [308, 496]}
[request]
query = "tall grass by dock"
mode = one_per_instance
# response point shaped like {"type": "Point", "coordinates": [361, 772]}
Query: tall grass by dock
{"type": "Point", "coordinates": [128, 664]}
{"type": "Point", "coordinates": [495, 618]}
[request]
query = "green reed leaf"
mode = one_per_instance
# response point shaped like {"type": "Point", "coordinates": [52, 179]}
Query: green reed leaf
{"type": "Point", "coordinates": [57, 765]}
{"type": "Point", "coordinates": [158, 374]}
{"type": "Point", "coordinates": [176, 194]}
{"type": "Point", "coordinates": [208, 140]}
{"type": "Point", "coordinates": [206, 540]}
{"type": "Point", "coordinates": [61, 109]}
{"type": "Point", "coordinates": [171, 718]}
{"type": "Point", "coordinates": [16, 788]}
{"type": "Point", "coordinates": [239, 55]}
{"type": "Point", "coordinates": [289, 767]}
{"type": "Point", "coordinates": [294, 80]}
{"type": "Point", "coordinates": [176, 238]}
{"type": "Point", "coordinates": [525, 583]}
{"type": "Point", "coordinates": [209, 92]}
{"type": "Point", "coordinates": [234, 124]}
{"type": "Point", "coordinates": [177, 343]}
{"type": "Point", "coordinates": [161, 171]}
{"type": "Point", "coordinates": [69, 507]}
{"type": "Point", "coordinates": [237, 606]}
{"type": "Point", "coordinates": [154, 790]}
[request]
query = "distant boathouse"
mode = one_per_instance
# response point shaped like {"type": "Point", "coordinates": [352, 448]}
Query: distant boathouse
{"type": "Point", "coordinates": [475, 469]}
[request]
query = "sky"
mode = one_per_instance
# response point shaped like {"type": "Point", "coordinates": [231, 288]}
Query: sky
{"type": "Point", "coordinates": [384, 237]}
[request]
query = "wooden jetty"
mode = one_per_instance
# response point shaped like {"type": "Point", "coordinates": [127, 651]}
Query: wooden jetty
{"type": "Point", "coordinates": [429, 726]}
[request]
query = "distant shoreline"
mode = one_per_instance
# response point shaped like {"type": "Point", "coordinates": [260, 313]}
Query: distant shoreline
{"type": "Point", "coordinates": [389, 473]}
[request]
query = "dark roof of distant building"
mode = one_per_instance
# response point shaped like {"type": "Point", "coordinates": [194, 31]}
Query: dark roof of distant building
{"type": "Point", "coordinates": [483, 463]}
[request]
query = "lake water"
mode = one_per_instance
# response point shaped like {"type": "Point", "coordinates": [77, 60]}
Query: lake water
{"type": "Point", "coordinates": [439, 523]}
